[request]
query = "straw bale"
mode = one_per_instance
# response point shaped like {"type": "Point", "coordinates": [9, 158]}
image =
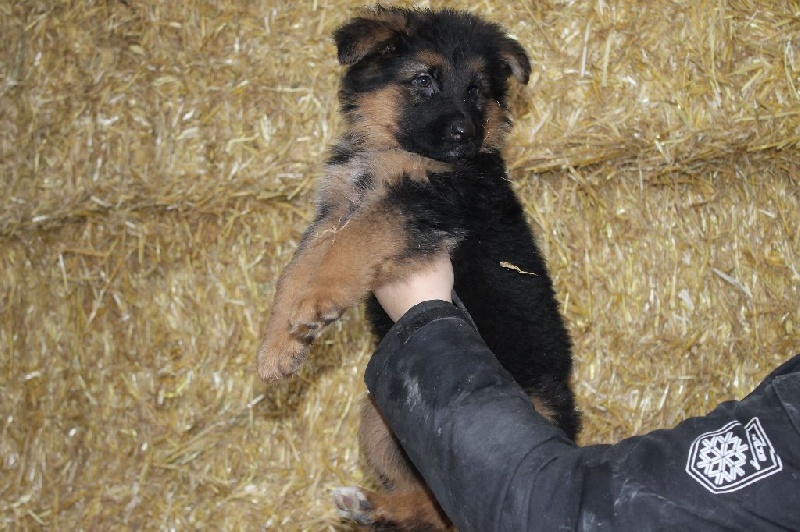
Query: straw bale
{"type": "Point", "coordinates": [158, 161]}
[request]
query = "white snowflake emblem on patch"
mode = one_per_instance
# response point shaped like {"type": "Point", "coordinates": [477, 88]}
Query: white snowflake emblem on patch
{"type": "Point", "coordinates": [722, 457]}
{"type": "Point", "coordinates": [732, 457]}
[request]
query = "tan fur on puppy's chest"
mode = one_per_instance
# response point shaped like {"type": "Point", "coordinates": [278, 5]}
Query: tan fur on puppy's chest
{"type": "Point", "coordinates": [367, 177]}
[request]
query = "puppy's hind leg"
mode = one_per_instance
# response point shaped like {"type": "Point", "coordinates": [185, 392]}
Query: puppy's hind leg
{"type": "Point", "coordinates": [405, 503]}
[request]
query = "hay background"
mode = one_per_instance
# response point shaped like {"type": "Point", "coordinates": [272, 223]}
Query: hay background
{"type": "Point", "coordinates": [158, 161]}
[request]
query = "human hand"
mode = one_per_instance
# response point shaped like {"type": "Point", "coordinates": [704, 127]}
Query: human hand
{"type": "Point", "coordinates": [433, 282]}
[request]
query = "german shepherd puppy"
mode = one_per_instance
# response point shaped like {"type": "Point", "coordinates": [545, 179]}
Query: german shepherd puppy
{"type": "Point", "coordinates": [418, 171]}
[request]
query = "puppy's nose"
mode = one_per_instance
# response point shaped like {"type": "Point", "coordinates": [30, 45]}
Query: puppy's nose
{"type": "Point", "coordinates": [462, 130]}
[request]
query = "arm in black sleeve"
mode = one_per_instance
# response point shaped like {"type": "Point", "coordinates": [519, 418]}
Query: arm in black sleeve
{"type": "Point", "coordinates": [496, 464]}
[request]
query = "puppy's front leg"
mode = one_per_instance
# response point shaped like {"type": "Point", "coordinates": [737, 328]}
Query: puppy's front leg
{"type": "Point", "coordinates": [334, 270]}
{"type": "Point", "coordinates": [281, 353]}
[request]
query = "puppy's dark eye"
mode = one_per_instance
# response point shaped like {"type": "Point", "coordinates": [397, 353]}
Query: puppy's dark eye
{"type": "Point", "coordinates": [423, 81]}
{"type": "Point", "coordinates": [474, 91]}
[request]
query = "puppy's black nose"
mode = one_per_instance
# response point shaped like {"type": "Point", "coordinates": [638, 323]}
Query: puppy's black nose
{"type": "Point", "coordinates": [462, 130]}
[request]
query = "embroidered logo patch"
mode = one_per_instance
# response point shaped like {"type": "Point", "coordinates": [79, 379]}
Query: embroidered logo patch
{"type": "Point", "coordinates": [732, 457]}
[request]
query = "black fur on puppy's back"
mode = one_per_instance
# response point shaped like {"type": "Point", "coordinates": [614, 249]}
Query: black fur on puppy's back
{"type": "Point", "coordinates": [500, 275]}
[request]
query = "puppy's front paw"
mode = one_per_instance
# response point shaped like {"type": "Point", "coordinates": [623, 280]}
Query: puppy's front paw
{"type": "Point", "coordinates": [287, 339]}
{"type": "Point", "coordinates": [353, 505]}
{"type": "Point", "coordinates": [280, 356]}
{"type": "Point", "coordinates": [312, 314]}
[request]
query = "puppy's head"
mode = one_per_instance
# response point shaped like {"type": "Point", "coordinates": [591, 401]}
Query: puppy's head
{"type": "Point", "coordinates": [430, 82]}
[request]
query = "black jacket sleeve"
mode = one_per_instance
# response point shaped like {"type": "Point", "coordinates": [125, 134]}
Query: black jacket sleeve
{"type": "Point", "coordinates": [495, 464]}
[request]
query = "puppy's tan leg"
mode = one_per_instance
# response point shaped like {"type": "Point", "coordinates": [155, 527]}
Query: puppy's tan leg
{"type": "Point", "coordinates": [280, 353]}
{"type": "Point", "coordinates": [406, 502]}
{"type": "Point", "coordinates": [335, 269]}
{"type": "Point", "coordinates": [366, 251]}
{"type": "Point", "coordinates": [543, 408]}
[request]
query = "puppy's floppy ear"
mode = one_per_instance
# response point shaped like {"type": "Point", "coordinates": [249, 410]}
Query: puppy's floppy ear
{"type": "Point", "coordinates": [513, 55]}
{"type": "Point", "coordinates": [376, 31]}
